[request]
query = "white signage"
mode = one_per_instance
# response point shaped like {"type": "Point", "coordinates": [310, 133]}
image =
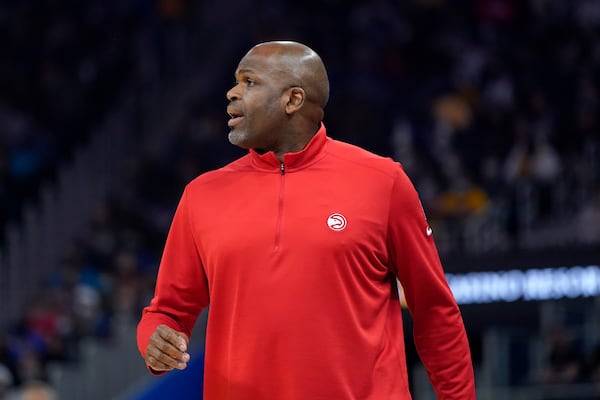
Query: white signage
{"type": "Point", "coordinates": [527, 285]}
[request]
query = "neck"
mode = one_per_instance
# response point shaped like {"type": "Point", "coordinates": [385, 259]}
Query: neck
{"type": "Point", "coordinates": [297, 142]}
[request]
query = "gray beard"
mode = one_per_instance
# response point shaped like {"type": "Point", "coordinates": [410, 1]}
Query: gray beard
{"type": "Point", "coordinates": [237, 138]}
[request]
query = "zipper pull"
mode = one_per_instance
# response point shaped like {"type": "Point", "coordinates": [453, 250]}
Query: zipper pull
{"type": "Point", "coordinates": [282, 168]}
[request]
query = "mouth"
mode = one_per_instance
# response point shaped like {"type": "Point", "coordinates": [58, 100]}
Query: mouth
{"type": "Point", "coordinates": [235, 117]}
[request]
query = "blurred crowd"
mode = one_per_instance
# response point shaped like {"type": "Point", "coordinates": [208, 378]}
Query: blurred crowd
{"type": "Point", "coordinates": [567, 361]}
{"type": "Point", "coordinates": [492, 106]}
{"type": "Point", "coordinates": [63, 65]}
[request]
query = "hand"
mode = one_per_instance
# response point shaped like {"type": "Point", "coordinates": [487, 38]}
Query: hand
{"type": "Point", "coordinates": [167, 350]}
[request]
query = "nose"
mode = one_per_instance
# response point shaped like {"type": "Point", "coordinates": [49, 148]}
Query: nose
{"type": "Point", "coordinates": [232, 94]}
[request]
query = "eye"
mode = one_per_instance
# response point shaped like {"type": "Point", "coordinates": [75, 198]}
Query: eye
{"type": "Point", "coordinates": [250, 82]}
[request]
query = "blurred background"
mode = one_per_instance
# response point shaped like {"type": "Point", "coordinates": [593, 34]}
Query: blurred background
{"type": "Point", "coordinates": [109, 107]}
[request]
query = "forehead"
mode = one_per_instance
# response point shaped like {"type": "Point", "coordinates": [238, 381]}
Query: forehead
{"type": "Point", "coordinates": [264, 63]}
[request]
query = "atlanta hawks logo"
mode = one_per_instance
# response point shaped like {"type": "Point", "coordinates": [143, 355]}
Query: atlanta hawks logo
{"type": "Point", "coordinates": [337, 222]}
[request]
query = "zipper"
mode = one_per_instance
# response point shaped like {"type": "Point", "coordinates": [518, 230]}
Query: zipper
{"type": "Point", "coordinates": [280, 207]}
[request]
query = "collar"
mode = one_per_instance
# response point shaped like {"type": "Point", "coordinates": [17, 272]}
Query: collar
{"type": "Point", "coordinates": [311, 153]}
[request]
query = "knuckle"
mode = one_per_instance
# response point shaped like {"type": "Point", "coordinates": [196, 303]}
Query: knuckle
{"type": "Point", "coordinates": [164, 330]}
{"type": "Point", "coordinates": [162, 357]}
{"type": "Point", "coordinates": [155, 337]}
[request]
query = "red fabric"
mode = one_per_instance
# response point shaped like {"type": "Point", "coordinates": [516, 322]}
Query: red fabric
{"type": "Point", "coordinates": [299, 310]}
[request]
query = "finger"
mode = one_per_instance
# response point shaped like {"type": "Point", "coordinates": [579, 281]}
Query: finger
{"type": "Point", "coordinates": [157, 365]}
{"type": "Point", "coordinates": [177, 339]}
{"type": "Point", "coordinates": [158, 345]}
{"type": "Point", "coordinates": [155, 356]}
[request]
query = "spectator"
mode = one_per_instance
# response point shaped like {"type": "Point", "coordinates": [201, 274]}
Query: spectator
{"type": "Point", "coordinates": [6, 380]}
{"type": "Point", "coordinates": [588, 221]}
{"type": "Point", "coordinates": [564, 361]}
{"type": "Point", "coordinates": [593, 365]}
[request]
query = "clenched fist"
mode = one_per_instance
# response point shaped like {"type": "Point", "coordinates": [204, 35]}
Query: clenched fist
{"type": "Point", "coordinates": [167, 350]}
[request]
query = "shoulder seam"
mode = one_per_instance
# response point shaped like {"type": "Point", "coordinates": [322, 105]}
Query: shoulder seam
{"type": "Point", "coordinates": [208, 176]}
{"type": "Point", "coordinates": [389, 173]}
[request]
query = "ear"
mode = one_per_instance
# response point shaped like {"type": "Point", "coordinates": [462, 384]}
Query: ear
{"type": "Point", "coordinates": [295, 99]}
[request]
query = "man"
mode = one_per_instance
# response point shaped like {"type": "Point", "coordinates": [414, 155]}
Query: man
{"type": "Point", "coordinates": [296, 247]}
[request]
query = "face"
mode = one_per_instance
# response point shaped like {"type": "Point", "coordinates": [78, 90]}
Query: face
{"type": "Point", "coordinates": [257, 103]}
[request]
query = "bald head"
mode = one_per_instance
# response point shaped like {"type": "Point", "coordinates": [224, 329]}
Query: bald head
{"type": "Point", "coordinates": [277, 103]}
{"type": "Point", "coordinates": [300, 64]}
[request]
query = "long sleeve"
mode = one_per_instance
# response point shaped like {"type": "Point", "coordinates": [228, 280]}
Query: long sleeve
{"type": "Point", "coordinates": [439, 332]}
{"type": "Point", "coordinates": [181, 288]}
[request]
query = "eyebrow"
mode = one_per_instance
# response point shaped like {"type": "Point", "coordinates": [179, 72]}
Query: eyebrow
{"type": "Point", "coordinates": [244, 71]}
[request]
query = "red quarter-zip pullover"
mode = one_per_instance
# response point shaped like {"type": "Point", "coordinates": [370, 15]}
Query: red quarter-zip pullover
{"type": "Point", "coordinates": [298, 261]}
